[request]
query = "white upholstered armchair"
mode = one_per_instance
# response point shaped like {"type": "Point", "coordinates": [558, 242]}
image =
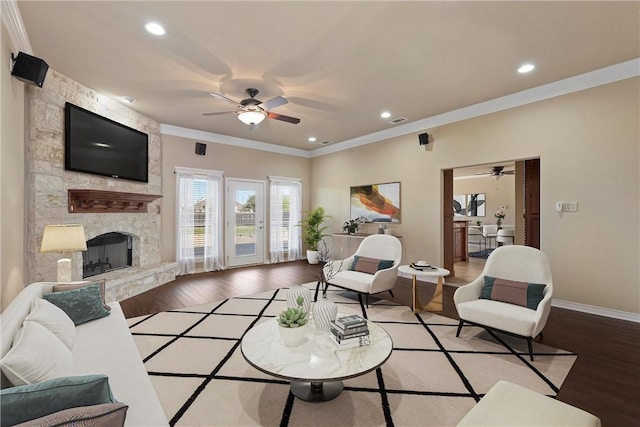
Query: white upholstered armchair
{"type": "Point", "coordinates": [372, 269]}
{"type": "Point", "coordinates": [507, 304]}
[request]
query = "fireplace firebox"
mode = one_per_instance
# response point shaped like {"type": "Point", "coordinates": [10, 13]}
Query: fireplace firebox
{"type": "Point", "coordinates": [107, 252]}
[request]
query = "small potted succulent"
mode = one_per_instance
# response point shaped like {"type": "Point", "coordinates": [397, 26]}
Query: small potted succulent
{"type": "Point", "coordinates": [292, 322]}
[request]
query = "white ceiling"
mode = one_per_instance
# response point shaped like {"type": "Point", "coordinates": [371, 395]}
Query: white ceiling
{"type": "Point", "coordinates": [340, 64]}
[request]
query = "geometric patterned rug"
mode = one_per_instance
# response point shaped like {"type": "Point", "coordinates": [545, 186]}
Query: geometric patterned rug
{"type": "Point", "coordinates": [431, 378]}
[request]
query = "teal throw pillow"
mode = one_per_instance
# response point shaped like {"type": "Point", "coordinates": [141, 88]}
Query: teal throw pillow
{"type": "Point", "coordinates": [81, 305]}
{"type": "Point", "coordinates": [513, 292]}
{"type": "Point", "coordinates": [28, 402]}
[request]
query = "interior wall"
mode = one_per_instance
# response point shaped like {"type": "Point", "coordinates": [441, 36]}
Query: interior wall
{"type": "Point", "coordinates": [12, 188]}
{"type": "Point", "coordinates": [588, 145]}
{"type": "Point", "coordinates": [236, 162]}
{"type": "Point", "coordinates": [498, 193]}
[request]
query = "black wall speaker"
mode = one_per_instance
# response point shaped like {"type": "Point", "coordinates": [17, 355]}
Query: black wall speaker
{"type": "Point", "coordinates": [423, 138]}
{"type": "Point", "coordinates": [201, 148]}
{"type": "Point", "coordinates": [29, 69]}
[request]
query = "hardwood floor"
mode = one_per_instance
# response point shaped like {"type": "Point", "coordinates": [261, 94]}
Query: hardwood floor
{"type": "Point", "coordinates": [605, 379]}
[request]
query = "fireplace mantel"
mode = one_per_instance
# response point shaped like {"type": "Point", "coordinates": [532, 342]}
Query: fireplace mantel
{"type": "Point", "coordinates": [85, 201]}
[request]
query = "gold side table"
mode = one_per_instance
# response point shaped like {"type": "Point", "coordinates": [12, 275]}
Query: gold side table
{"type": "Point", "coordinates": [435, 304]}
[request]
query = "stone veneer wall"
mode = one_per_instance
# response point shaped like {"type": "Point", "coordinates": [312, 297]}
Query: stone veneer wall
{"type": "Point", "coordinates": [48, 182]}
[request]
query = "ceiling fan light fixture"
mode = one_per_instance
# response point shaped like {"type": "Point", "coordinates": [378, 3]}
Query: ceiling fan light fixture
{"type": "Point", "coordinates": [251, 117]}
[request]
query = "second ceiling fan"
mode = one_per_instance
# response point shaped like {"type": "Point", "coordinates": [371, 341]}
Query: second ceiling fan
{"type": "Point", "coordinates": [251, 111]}
{"type": "Point", "coordinates": [497, 172]}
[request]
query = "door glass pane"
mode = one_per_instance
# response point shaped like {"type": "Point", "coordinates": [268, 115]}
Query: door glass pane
{"type": "Point", "coordinates": [245, 212]}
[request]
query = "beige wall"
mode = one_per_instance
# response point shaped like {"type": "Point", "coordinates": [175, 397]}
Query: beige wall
{"type": "Point", "coordinates": [588, 144]}
{"type": "Point", "coordinates": [12, 189]}
{"type": "Point", "coordinates": [234, 161]}
{"type": "Point", "coordinates": [497, 193]}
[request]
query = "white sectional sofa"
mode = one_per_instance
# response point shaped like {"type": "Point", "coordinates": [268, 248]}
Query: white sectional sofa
{"type": "Point", "coordinates": [102, 346]}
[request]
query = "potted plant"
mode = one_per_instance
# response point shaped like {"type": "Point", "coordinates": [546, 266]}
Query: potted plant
{"type": "Point", "coordinates": [313, 232]}
{"type": "Point", "coordinates": [499, 217]}
{"type": "Point", "coordinates": [351, 226]}
{"type": "Point", "coordinates": [292, 322]}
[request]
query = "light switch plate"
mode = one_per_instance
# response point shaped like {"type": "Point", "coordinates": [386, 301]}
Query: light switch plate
{"type": "Point", "coordinates": [569, 206]}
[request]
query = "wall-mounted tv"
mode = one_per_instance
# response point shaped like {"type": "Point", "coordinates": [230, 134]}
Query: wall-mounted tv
{"type": "Point", "coordinates": [100, 146]}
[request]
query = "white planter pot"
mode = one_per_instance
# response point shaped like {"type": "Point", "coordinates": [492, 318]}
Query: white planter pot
{"type": "Point", "coordinates": [293, 336]}
{"type": "Point", "coordinates": [313, 257]}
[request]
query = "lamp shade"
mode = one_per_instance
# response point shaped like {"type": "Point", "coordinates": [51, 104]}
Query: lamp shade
{"type": "Point", "coordinates": [63, 238]}
{"type": "Point", "coordinates": [251, 117]}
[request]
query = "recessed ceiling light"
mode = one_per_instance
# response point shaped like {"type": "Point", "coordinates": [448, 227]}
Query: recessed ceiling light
{"type": "Point", "coordinates": [525, 68]}
{"type": "Point", "coordinates": [128, 99]}
{"type": "Point", "coordinates": [155, 28]}
{"type": "Point", "coordinates": [312, 139]}
{"type": "Point", "coordinates": [385, 114]}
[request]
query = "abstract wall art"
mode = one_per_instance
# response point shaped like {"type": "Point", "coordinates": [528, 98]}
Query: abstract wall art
{"type": "Point", "coordinates": [376, 202]}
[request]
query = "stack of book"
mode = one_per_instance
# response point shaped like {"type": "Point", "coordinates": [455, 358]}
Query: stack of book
{"type": "Point", "coordinates": [350, 332]}
{"type": "Point", "coordinates": [421, 267]}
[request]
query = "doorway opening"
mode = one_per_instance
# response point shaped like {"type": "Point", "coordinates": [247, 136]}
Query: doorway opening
{"type": "Point", "coordinates": [486, 206]}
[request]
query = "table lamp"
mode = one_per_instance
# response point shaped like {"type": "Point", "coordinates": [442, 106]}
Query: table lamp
{"type": "Point", "coordinates": [63, 238]}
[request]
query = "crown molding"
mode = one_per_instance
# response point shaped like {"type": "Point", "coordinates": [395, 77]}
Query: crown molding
{"type": "Point", "coordinates": [602, 76]}
{"type": "Point", "coordinates": [12, 20]}
{"type": "Point", "coordinates": [166, 129]}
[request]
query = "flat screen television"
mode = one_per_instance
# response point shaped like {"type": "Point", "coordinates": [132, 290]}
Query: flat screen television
{"type": "Point", "coordinates": [100, 146]}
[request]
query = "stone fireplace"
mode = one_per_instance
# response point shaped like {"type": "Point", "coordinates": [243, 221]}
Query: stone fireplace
{"type": "Point", "coordinates": [102, 205]}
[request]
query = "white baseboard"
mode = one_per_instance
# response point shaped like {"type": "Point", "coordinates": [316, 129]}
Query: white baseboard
{"type": "Point", "coordinates": [584, 308]}
{"type": "Point", "coordinates": [600, 311]}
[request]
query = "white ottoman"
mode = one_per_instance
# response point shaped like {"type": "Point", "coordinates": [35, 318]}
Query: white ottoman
{"type": "Point", "coordinates": [508, 404]}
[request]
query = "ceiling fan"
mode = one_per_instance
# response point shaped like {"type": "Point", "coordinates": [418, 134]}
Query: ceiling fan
{"type": "Point", "coordinates": [251, 111]}
{"type": "Point", "coordinates": [497, 172]}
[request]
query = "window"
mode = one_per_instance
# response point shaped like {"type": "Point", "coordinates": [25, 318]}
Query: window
{"type": "Point", "coordinates": [198, 219]}
{"type": "Point", "coordinates": [285, 214]}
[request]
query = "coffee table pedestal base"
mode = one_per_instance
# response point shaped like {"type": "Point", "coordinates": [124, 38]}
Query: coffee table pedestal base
{"type": "Point", "coordinates": [317, 391]}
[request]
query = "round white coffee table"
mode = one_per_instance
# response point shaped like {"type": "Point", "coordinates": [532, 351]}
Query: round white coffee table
{"type": "Point", "coordinates": [435, 304]}
{"type": "Point", "coordinates": [316, 367]}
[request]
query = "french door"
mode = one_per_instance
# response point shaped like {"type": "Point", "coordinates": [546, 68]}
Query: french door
{"type": "Point", "coordinates": [245, 231]}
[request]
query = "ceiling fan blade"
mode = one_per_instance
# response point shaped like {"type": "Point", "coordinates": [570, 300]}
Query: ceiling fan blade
{"type": "Point", "coordinates": [283, 118]}
{"type": "Point", "coordinates": [274, 102]}
{"type": "Point", "coordinates": [509, 172]}
{"type": "Point", "coordinates": [221, 96]}
{"type": "Point", "coordinates": [217, 114]}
